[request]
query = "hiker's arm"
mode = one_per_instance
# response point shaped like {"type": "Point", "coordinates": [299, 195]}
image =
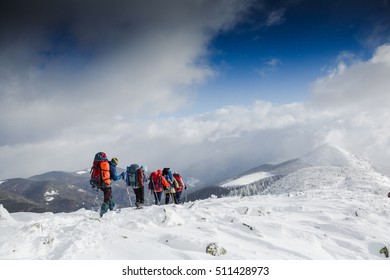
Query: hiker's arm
{"type": "Point", "coordinates": [165, 182]}
{"type": "Point", "coordinates": [114, 175]}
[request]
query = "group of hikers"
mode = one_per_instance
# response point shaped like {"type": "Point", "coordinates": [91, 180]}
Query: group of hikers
{"type": "Point", "coordinates": [162, 181]}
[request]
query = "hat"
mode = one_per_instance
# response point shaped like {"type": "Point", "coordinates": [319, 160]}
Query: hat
{"type": "Point", "coordinates": [114, 161]}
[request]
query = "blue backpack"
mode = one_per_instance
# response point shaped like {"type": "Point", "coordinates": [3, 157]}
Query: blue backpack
{"type": "Point", "coordinates": [131, 175]}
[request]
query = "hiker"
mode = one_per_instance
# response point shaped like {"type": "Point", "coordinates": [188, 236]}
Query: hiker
{"type": "Point", "coordinates": [156, 184]}
{"type": "Point", "coordinates": [140, 180]}
{"type": "Point", "coordinates": [136, 178]}
{"type": "Point", "coordinates": [155, 187]}
{"type": "Point", "coordinates": [100, 179]}
{"type": "Point", "coordinates": [181, 185]}
{"type": "Point", "coordinates": [173, 185]}
{"type": "Point", "coordinates": [113, 177]}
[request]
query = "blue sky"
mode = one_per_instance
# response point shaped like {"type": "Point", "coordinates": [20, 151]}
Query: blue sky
{"type": "Point", "coordinates": [231, 83]}
{"type": "Point", "coordinates": [281, 47]}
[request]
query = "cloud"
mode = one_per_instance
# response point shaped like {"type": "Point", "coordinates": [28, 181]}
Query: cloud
{"type": "Point", "coordinates": [276, 17]}
{"type": "Point", "coordinates": [80, 73]}
{"type": "Point", "coordinates": [81, 77]}
{"type": "Point", "coordinates": [70, 61]}
{"type": "Point", "coordinates": [348, 108]}
{"type": "Point", "coordinates": [356, 102]}
{"type": "Point", "coordinates": [362, 85]}
{"type": "Point", "coordinates": [269, 66]}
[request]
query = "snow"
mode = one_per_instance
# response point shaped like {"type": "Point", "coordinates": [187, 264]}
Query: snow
{"type": "Point", "coordinates": [82, 172]}
{"type": "Point", "coordinates": [49, 195]}
{"type": "Point", "coordinates": [330, 155]}
{"type": "Point", "coordinates": [192, 182]}
{"type": "Point", "coordinates": [247, 179]}
{"type": "Point", "coordinates": [317, 213]}
{"type": "Point", "coordinates": [331, 206]}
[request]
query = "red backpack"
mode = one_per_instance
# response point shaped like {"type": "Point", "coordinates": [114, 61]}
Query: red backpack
{"type": "Point", "coordinates": [155, 182]}
{"type": "Point", "coordinates": [179, 180]}
{"type": "Point", "coordinates": [100, 171]}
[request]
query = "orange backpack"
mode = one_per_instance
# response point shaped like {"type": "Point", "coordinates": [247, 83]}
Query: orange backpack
{"type": "Point", "coordinates": [100, 171]}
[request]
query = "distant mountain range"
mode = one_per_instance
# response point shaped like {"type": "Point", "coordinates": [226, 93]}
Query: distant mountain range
{"type": "Point", "coordinates": [58, 191]}
{"type": "Point", "coordinates": [55, 191]}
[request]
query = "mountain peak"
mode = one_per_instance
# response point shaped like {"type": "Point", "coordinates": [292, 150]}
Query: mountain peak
{"type": "Point", "coordinates": [330, 155]}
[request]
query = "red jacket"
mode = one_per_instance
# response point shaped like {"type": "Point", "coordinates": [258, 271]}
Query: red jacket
{"type": "Point", "coordinates": [157, 181]}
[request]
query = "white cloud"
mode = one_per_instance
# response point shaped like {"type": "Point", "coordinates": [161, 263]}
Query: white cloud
{"type": "Point", "coordinates": [79, 76]}
{"type": "Point", "coordinates": [122, 59]}
{"type": "Point", "coordinates": [382, 55]}
{"type": "Point", "coordinates": [348, 108]}
{"type": "Point", "coordinates": [275, 17]}
{"type": "Point", "coordinates": [357, 101]}
{"type": "Point", "coordinates": [58, 111]}
{"type": "Point", "coordinates": [363, 85]}
{"type": "Point", "coordinates": [269, 66]}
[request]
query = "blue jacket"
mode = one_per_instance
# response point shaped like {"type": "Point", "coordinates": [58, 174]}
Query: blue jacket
{"type": "Point", "coordinates": [113, 174]}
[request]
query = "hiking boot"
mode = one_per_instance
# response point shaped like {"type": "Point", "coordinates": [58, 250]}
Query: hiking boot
{"type": "Point", "coordinates": [111, 204]}
{"type": "Point", "coordinates": [103, 209]}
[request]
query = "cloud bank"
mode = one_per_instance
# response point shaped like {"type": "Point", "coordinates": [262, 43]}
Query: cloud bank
{"type": "Point", "coordinates": [85, 59]}
{"type": "Point", "coordinates": [76, 75]}
{"type": "Point", "coordinates": [80, 77]}
{"type": "Point", "coordinates": [348, 108]}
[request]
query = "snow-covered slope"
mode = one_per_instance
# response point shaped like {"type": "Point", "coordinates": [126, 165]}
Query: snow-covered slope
{"type": "Point", "coordinates": [329, 155]}
{"type": "Point", "coordinates": [317, 213]}
{"type": "Point", "coordinates": [247, 179]}
{"type": "Point", "coordinates": [336, 179]}
{"type": "Point", "coordinates": [324, 155]}
{"type": "Point", "coordinates": [333, 207]}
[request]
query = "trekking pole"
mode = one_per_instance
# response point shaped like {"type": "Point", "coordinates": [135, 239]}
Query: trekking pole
{"type": "Point", "coordinates": [96, 197]}
{"type": "Point", "coordinates": [184, 191]}
{"type": "Point", "coordinates": [128, 194]}
{"type": "Point", "coordinates": [125, 179]}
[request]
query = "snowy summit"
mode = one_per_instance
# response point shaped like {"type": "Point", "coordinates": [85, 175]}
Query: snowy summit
{"type": "Point", "coordinates": [330, 206]}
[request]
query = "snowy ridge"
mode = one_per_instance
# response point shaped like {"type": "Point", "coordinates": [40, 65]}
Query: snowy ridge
{"type": "Point", "coordinates": [326, 178]}
{"type": "Point", "coordinates": [329, 155]}
{"type": "Point", "coordinates": [325, 155]}
{"type": "Point", "coordinates": [327, 166]}
{"type": "Point", "coordinates": [338, 209]}
{"type": "Point", "coordinates": [306, 216]}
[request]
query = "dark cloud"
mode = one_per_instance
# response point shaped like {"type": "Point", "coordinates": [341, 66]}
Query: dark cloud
{"type": "Point", "coordinates": [73, 59]}
{"type": "Point", "coordinates": [84, 76]}
{"type": "Point", "coordinates": [80, 73]}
